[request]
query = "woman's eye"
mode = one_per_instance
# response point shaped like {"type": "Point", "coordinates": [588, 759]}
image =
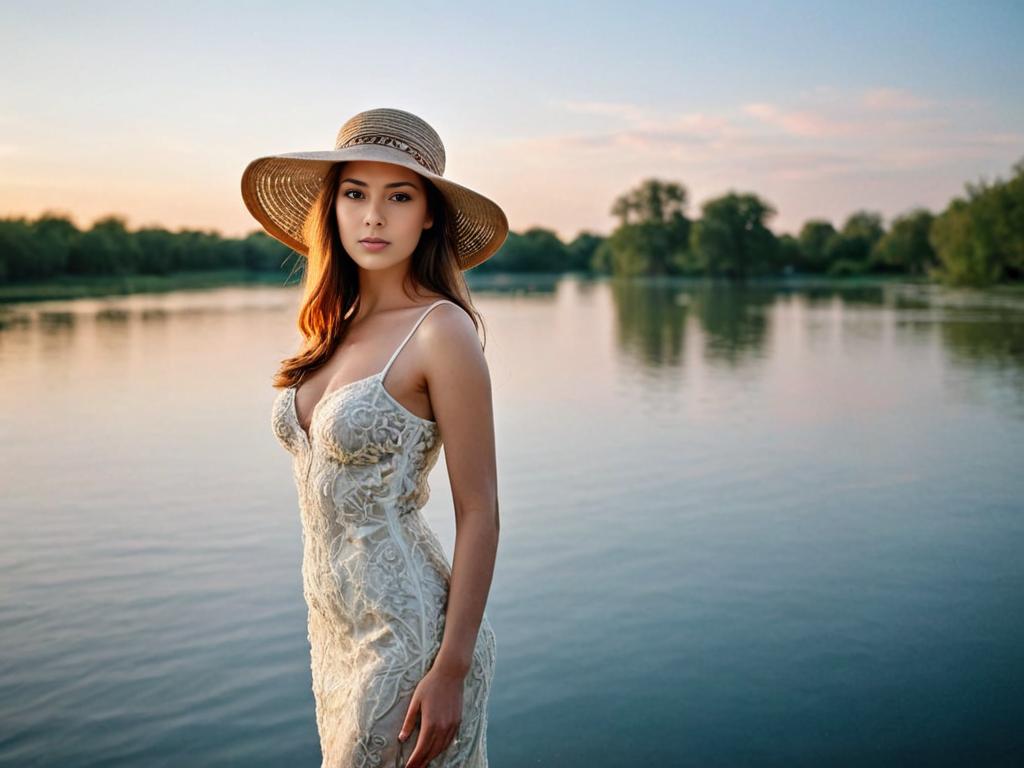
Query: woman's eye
{"type": "Point", "coordinates": [348, 193]}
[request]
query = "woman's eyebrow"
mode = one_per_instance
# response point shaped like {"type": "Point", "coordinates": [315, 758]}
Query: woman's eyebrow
{"type": "Point", "coordinates": [392, 184]}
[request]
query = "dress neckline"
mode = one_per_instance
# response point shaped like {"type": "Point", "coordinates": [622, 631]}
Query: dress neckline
{"type": "Point", "coordinates": [431, 423]}
{"type": "Point", "coordinates": [307, 433]}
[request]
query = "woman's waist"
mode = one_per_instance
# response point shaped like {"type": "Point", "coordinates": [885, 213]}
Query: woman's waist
{"type": "Point", "coordinates": [400, 548]}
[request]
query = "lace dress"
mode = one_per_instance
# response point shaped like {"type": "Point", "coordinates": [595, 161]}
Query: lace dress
{"type": "Point", "coordinates": [375, 576]}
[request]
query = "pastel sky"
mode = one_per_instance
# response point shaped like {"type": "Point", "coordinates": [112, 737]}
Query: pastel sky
{"type": "Point", "coordinates": [552, 109]}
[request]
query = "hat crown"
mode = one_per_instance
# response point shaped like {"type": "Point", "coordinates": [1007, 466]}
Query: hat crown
{"type": "Point", "coordinates": [395, 128]}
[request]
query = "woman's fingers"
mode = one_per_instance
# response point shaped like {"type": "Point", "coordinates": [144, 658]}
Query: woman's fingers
{"type": "Point", "coordinates": [426, 746]}
{"type": "Point", "coordinates": [452, 734]}
{"type": "Point", "coordinates": [438, 728]}
{"type": "Point", "coordinates": [410, 718]}
{"type": "Point", "coordinates": [443, 739]}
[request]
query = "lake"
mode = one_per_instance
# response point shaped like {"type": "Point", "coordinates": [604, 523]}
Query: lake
{"type": "Point", "coordinates": [778, 525]}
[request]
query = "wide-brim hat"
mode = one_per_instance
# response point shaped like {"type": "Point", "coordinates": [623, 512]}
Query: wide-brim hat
{"type": "Point", "coordinates": [279, 190]}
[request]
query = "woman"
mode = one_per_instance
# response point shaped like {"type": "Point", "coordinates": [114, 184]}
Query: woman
{"type": "Point", "coordinates": [402, 652]}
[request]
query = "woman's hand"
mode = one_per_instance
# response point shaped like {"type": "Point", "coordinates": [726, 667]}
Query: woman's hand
{"type": "Point", "coordinates": [438, 698]}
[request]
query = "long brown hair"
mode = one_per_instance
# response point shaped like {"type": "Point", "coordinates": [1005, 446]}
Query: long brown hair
{"type": "Point", "coordinates": [330, 283]}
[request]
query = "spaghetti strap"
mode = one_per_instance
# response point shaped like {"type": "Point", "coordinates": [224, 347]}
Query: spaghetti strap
{"type": "Point", "coordinates": [408, 336]}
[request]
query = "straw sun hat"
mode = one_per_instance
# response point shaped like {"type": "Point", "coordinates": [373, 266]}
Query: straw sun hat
{"type": "Point", "coordinates": [279, 190]}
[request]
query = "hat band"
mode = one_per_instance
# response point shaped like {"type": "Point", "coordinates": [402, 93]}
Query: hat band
{"type": "Point", "coordinates": [391, 141]}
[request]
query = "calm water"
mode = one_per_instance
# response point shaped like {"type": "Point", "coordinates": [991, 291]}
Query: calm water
{"type": "Point", "coordinates": [757, 527]}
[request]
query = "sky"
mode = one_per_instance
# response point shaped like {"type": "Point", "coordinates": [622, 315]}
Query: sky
{"type": "Point", "coordinates": [151, 111]}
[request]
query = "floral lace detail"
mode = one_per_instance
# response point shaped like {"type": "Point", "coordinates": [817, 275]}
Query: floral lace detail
{"type": "Point", "coordinates": [367, 434]}
{"type": "Point", "coordinates": [375, 576]}
{"type": "Point", "coordinates": [286, 433]}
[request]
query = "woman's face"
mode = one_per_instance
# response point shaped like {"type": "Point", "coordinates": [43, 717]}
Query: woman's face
{"type": "Point", "coordinates": [385, 202]}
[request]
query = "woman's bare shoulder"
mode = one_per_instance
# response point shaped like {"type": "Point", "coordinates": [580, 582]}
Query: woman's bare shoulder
{"type": "Point", "coordinates": [448, 331]}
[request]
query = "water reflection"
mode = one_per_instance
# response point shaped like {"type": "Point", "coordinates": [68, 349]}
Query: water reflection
{"type": "Point", "coordinates": [655, 318]}
{"type": "Point", "coordinates": [733, 324]}
{"type": "Point", "coordinates": [649, 322]}
{"type": "Point", "coordinates": [740, 509]}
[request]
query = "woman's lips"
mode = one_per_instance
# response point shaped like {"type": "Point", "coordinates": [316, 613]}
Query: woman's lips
{"type": "Point", "coordinates": [374, 245]}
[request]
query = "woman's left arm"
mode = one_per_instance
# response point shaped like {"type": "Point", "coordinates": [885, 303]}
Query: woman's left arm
{"type": "Point", "coordinates": [460, 396]}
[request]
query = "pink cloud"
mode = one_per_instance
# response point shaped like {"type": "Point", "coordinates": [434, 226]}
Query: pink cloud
{"type": "Point", "coordinates": [892, 100]}
{"type": "Point", "coordinates": [799, 123]}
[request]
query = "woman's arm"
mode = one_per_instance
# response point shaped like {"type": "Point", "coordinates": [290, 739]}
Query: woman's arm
{"type": "Point", "coordinates": [460, 397]}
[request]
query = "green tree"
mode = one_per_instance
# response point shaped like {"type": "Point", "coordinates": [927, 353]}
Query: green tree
{"type": "Point", "coordinates": [581, 251]}
{"type": "Point", "coordinates": [845, 256]}
{"type": "Point", "coordinates": [262, 252]}
{"type": "Point", "coordinates": [790, 254]}
{"type": "Point", "coordinates": [652, 202]}
{"type": "Point", "coordinates": [601, 260]}
{"type": "Point", "coordinates": [54, 235]}
{"type": "Point", "coordinates": [980, 240]}
{"type": "Point", "coordinates": [732, 238]}
{"type": "Point", "coordinates": [998, 208]}
{"type": "Point", "coordinates": [965, 246]}
{"type": "Point", "coordinates": [196, 249]}
{"type": "Point", "coordinates": [535, 250]}
{"type": "Point", "coordinates": [157, 246]}
{"type": "Point", "coordinates": [653, 235]}
{"type": "Point", "coordinates": [1010, 229]}
{"type": "Point", "coordinates": [106, 249]}
{"type": "Point", "coordinates": [905, 247]}
{"type": "Point", "coordinates": [814, 238]}
{"type": "Point", "coordinates": [861, 233]}
{"type": "Point", "coordinates": [17, 251]}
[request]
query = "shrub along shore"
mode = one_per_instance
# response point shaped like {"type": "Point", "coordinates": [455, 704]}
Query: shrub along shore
{"type": "Point", "coordinates": [978, 240]}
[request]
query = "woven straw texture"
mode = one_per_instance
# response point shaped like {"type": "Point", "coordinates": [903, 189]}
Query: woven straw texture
{"type": "Point", "coordinates": [279, 190]}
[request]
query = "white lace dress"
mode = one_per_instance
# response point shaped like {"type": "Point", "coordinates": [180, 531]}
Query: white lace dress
{"type": "Point", "coordinates": [375, 575]}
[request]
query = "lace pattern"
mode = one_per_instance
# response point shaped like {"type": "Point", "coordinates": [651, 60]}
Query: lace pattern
{"type": "Point", "coordinates": [375, 576]}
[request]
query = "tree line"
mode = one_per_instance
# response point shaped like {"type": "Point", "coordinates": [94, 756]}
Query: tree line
{"type": "Point", "coordinates": [977, 240]}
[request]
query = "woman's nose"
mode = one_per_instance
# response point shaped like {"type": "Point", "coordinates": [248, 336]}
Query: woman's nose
{"type": "Point", "coordinates": [373, 215]}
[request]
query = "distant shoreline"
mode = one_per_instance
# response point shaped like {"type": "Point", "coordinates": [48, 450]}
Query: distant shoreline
{"type": "Point", "coordinates": [75, 287]}
{"type": "Point", "coordinates": [84, 286]}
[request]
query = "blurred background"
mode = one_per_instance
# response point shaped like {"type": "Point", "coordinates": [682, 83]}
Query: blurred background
{"type": "Point", "coordinates": [756, 342]}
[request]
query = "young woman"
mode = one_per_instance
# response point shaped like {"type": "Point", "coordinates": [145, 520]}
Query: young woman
{"type": "Point", "coordinates": [402, 652]}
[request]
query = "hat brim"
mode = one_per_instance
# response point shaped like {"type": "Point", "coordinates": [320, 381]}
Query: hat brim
{"type": "Point", "coordinates": [279, 191]}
